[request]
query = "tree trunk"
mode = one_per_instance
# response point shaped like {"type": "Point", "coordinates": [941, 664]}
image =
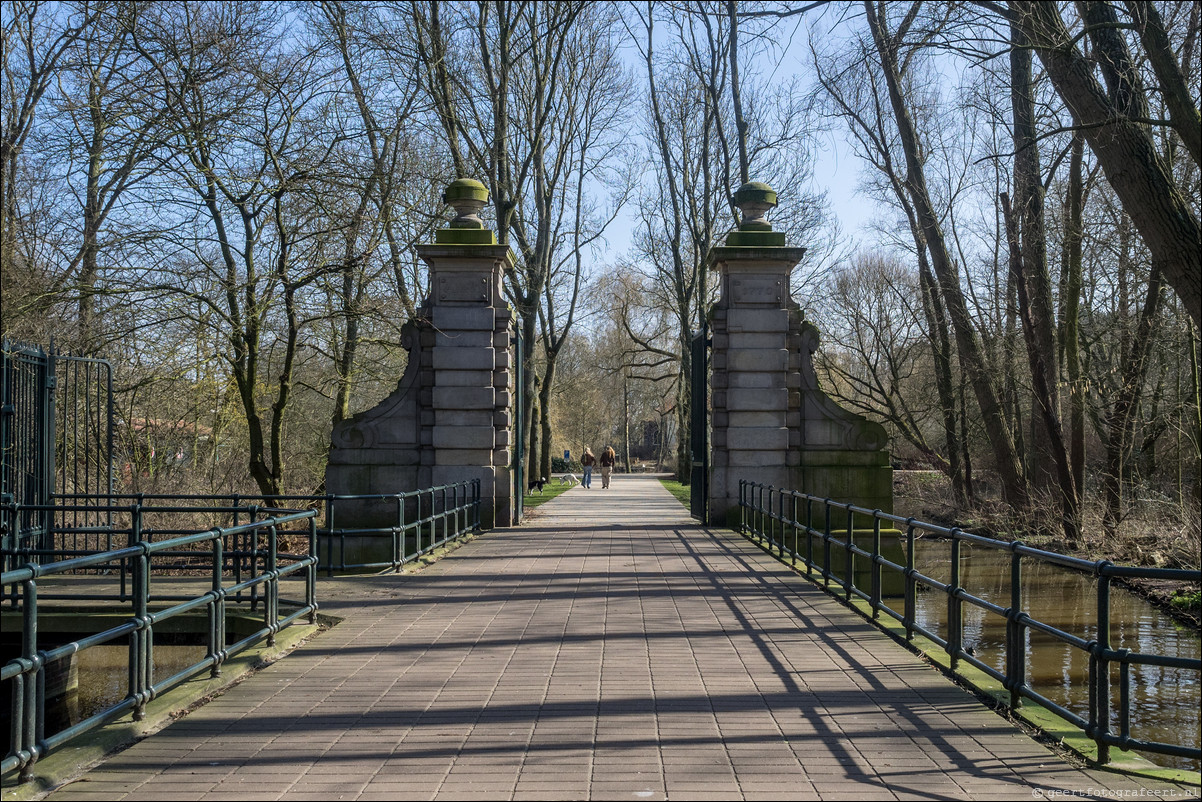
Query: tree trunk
{"type": "Point", "coordinates": [941, 351]}
{"type": "Point", "coordinates": [1043, 391]}
{"type": "Point", "coordinates": [1120, 423]}
{"type": "Point", "coordinates": [1123, 144]}
{"type": "Point", "coordinates": [544, 402]}
{"type": "Point", "coordinates": [1014, 488]}
{"type": "Point", "coordinates": [1028, 244]}
{"type": "Point", "coordinates": [1072, 283]}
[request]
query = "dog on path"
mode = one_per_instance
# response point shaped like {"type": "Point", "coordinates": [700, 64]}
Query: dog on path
{"type": "Point", "coordinates": [569, 479]}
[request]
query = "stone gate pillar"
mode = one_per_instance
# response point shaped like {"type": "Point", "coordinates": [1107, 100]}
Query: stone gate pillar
{"type": "Point", "coordinates": [448, 420]}
{"type": "Point", "coordinates": [471, 328]}
{"type": "Point", "coordinates": [771, 423]}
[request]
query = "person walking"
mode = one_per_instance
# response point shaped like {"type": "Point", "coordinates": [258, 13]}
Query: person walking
{"type": "Point", "coordinates": [587, 462]}
{"type": "Point", "coordinates": [607, 460]}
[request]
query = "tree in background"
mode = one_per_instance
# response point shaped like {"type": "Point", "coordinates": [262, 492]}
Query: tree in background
{"type": "Point", "coordinates": [528, 97]}
{"type": "Point", "coordinates": [1026, 293]}
{"type": "Point", "coordinates": [713, 120]}
{"type": "Point", "coordinates": [223, 198]}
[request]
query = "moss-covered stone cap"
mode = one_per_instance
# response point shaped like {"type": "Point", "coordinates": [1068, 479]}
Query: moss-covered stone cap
{"type": "Point", "coordinates": [754, 199]}
{"type": "Point", "coordinates": [753, 252]}
{"type": "Point", "coordinates": [465, 236]}
{"type": "Point", "coordinates": [755, 192]}
{"type": "Point", "coordinates": [468, 196]}
{"type": "Point", "coordinates": [465, 188]}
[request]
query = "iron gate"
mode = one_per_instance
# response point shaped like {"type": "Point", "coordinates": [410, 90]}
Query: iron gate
{"type": "Point", "coordinates": [699, 427]}
{"type": "Point", "coordinates": [56, 439]}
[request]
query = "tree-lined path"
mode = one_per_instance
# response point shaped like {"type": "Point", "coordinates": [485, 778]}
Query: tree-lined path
{"type": "Point", "coordinates": [608, 649]}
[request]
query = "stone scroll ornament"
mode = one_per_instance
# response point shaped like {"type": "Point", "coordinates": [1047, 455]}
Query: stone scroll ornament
{"type": "Point", "coordinates": [828, 425]}
{"type": "Point", "coordinates": [394, 422]}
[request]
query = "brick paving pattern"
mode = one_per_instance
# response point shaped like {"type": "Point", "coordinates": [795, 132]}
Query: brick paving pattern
{"type": "Point", "coordinates": [608, 649]}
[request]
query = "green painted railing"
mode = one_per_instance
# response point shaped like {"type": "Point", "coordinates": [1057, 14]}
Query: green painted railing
{"type": "Point", "coordinates": [424, 519]}
{"type": "Point", "coordinates": [814, 531]}
{"type": "Point", "coordinates": [145, 584]}
{"type": "Point", "coordinates": [417, 522]}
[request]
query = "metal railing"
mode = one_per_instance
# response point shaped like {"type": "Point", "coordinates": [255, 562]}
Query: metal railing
{"type": "Point", "coordinates": [425, 520]}
{"type": "Point", "coordinates": [418, 521]}
{"type": "Point", "coordinates": [158, 576]}
{"type": "Point", "coordinates": [781, 519]}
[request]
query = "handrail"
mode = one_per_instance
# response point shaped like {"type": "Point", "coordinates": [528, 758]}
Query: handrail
{"type": "Point", "coordinates": [242, 559]}
{"type": "Point", "coordinates": [254, 551]}
{"type": "Point", "coordinates": [425, 519]}
{"type": "Point", "coordinates": [763, 518]}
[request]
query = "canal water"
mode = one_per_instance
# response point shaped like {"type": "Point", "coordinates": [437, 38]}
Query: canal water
{"type": "Point", "coordinates": [1164, 701]}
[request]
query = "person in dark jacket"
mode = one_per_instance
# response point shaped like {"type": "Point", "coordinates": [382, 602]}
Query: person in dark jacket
{"type": "Point", "coordinates": [607, 460]}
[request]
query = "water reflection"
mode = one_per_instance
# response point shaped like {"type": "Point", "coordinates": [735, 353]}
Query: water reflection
{"type": "Point", "coordinates": [1164, 701]}
{"type": "Point", "coordinates": [104, 673]}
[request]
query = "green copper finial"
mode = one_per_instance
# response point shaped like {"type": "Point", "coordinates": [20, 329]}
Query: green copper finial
{"type": "Point", "coordinates": [468, 196]}
{"type": "Point", "coordinates": [754, 199]}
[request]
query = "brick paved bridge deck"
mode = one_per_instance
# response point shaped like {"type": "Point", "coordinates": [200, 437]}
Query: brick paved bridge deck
{"type": "Point", "coordinates": [608, 649]}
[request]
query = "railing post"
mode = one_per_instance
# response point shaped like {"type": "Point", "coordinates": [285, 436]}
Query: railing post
{"type": "Point", "coordinates": [793, 525]}
{"type": "Point", "coordinates": [780, 521]}
{"type": "Point", "coordinates": [757, 500]}
{"type": "Point", "coordinates": [139, 640]}
{"type": "Point", "coordinates": [29, 715]}
{"type": "Point", "coordinates": [751, 491]}
{"type": "Point", "coordinates": [1016, 658]}
{"type": "Point", "coordinates": [809, 558]}
{"type": "Point", "coordinates": [271, 602]}
{"type": "Point", "coordinates": [766, 522]}
{"type": "Point", "coordinates": [329, 535]}
{"type": "Point", "coordinates": [404, 526]}
{"type": "Point", "coordinates": [1100, 668]}
{"type": "Point", "coordinates": [955, 628]}
{"type": "Point", "coordinates": [433, 516]}
{"type": "Point", "coordinates": [826, 543]}
{"type": "Point", "coordinates": [460, 508]}
{"type": "Point", "coordinates": [217, 606]}
{"type": "Point", "coordinates": [446, 525]}
{"type": "Point", "coordinates": [398, 534]}
{"type": "Point", "coordinates": [476, 504]}
{"type": "Point", "coordinates": [762, 512]}
{"type": "Point", "coordinates": [769, 533]}
{"type": "Point", "coordinates": [248, 554]}
{"type": "Point", "coordinates": [875, 600]}
{"type": "Point", "coordinates": [911, 585]}
{"type": "Point", "coordinates": [752, 494]}
{"type": "Point", "coordinates": [311, 572]}
{"type": "Point", "coordinates": [849, 576]}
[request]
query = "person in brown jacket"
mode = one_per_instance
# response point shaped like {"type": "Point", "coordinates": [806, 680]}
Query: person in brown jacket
{"type": "Point", "coordinates": [608, 458]}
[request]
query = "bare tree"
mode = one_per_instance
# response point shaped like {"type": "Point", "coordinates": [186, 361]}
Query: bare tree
{"type": "Point", "coordinates": [889, 44]}
{"type": "Point", "coordinates": [712, 121]}
{"type": "Point", "coordinates": [393, 209]}
{"type": "Point", "coordinates": [238, 104]}
{"type": "Point", "coordinates": [852, 92]}
{"type": "Point", "coordinates": [1029, 266]}
{"type": "Point", "coordinates": [36, 39]}
{"type": "Point", "coordinates": [508, 82]}
{"type": "Point", "coordinates": [1115, 120]}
